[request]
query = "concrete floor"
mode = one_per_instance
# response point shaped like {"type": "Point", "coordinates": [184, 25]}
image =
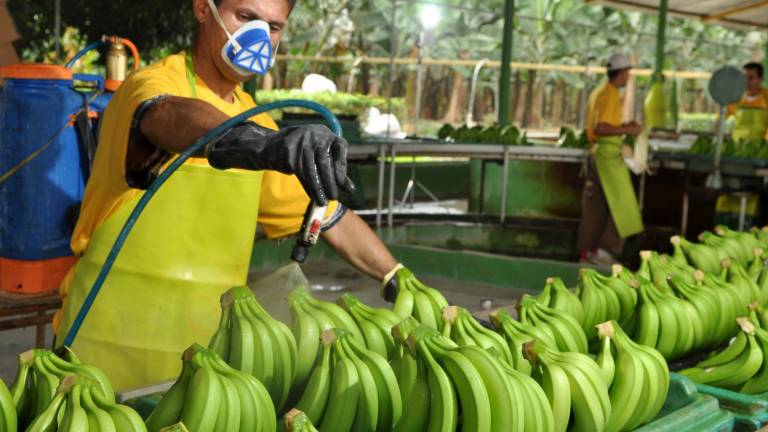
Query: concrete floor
{"type": "Point", "coordinates": [327, 280]}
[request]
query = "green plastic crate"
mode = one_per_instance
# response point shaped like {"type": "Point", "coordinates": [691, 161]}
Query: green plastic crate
{"type": "Point", "coordinates": [750, 411]}
{"type": "Point", "coordinates": [685, 410]}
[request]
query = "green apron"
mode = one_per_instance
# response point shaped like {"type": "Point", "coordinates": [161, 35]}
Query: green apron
{"type": "Point", "coordinates": [617, 186]}
{"type": "Point", "coordinates": [750, 123]}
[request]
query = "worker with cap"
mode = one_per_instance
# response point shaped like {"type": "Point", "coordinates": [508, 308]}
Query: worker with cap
{"type": "Point", "coordinates": [751, 112]}
{"type": "Point", "coordinates": [194, 239]}
{"type": "Point", "coordinates": [609, 208]}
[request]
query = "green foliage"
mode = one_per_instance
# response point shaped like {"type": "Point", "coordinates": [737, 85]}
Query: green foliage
{"type": "Point", "coordinates": [495, 134]}
{"type": "Point", "coordinates": [705, 145]}
{"type": "Point", "coordinates": [339, 103]}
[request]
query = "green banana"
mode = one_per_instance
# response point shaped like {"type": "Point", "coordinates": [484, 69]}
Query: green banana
{"type": "Point", "coordinates": [567, 333]}
{"type": "Point", "coordinates": [47, 420]}
{"type": "Point", "coordinates": [315, 397]}
{"type": "Point", "coordinates": [8, 417]}
{"type": "Point", "coordinates": [344, 395]}
{"type": "Point", "coordinates": [201, 406]}
{"type": "Point", "coordinates": [605, 359]}
{"type": "Point", "coordinates": [75, 419]}
{"type": "Point", "coordinates": [169, 408]}
{"type": "Point", "coordinates": [759, 382]}
{"type": "Point", "coordinates": [735, 372]}
{"type": "Point", "coordinates": [307, 336]}
{"type": "Point", "coordinates": [98, 419]}
{"type": "Point", "coordinates": [416, 405]}
{"type": "Point", "coordinates": [389, 398]}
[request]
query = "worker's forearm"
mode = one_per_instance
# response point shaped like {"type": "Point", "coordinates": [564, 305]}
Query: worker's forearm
{"type": "Point", "coordinates": [604, 129]}
{"type": "Point", "coordinates": [175, 123]}
{"type": "Point", "coordinates": [354, 241]}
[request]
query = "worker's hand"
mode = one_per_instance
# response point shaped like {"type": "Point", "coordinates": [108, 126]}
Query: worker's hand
{"type": "Point", "coordinates": [389, 285]}
{"type": "Point", "coordinates": [313, 153]}
{"type": "Point", "coordinates": [633, 128]}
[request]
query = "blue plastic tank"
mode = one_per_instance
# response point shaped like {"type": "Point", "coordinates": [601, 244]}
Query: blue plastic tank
{"type": "Point", "coordinates": [39, 201]}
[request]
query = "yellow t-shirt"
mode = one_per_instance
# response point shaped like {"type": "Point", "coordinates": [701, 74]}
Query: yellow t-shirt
{"type": "Point", "coordinates": [758, 101]}
{"type": "Point", "coordinates": [283, 200]}
{"type": "Point", "coordinates": [604, 107]}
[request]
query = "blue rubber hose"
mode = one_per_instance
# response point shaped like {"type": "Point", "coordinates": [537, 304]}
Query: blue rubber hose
{"type": "Point", "coordinates": [90, 47]}
{"type": "Point", "coordinates": [161, 179]}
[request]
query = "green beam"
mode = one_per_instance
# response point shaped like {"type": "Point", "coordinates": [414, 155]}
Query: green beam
{"type": "Point", "coordinates": [506, 59]}
{"type": "Point", "coordinates": [661, 38]}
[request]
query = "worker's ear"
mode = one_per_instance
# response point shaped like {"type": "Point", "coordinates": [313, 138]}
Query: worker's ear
{"type": "Point", "coordinates": [201, 9]}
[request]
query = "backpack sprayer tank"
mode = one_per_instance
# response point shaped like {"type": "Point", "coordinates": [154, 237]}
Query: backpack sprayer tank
{"type": "Point", "coordinates": [48, 123]}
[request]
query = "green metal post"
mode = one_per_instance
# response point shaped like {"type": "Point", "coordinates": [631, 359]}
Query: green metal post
{"type": "Point", "coordinates": [661, 39]}
{"type": "Point", "coordinates": [506, 59]}
{"type": "Point", "coordinates": [765, 60]}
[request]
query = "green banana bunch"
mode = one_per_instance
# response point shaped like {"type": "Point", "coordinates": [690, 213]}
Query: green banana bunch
{"type": "Point", "coordinates": [727, 247]}
{"type": "Point", "coordinates": [604, 298]}
{"type": "Point", "coordinates": [737, 364]}
{"type": "Point", "coordinates": [737, 275]}
{"type": "Point", "coordinates": [518, 334]}
{"type": "Point", "coordinates": [467, 377]}
{"type": "Point", "coordinates": [404, 364]}
{"type": "Point", "coordinates": [375, 324]}
{"type": "Point", "coordinates": [639, 386]}
{"type": "Point", "coordinates": [761, 234]}
{"type": "Point", "coordinates": [297, 421]}
{"type": "Point", "coordinates": [537, 413]}
{"type": "Point", "coordinates": [563, 328]}
{"type": "Point", "coordinates": [716, 307]}
{"type": "Point", "coordinates": [700, 256]}
{"type": "Point", "coordinates": [79, 406]}
{"type": "Point", "coordinates": [575, 386]}
{"type": "Point", "coordinates": [210, 395]}
{"type": "Point", "coordinates": [309, 318]}
{"type": "Point", "coordinates": [39, 374]}
{"type": "Point", "coordinates": [747, 240]}
{"type": "Point", "coordinates": [352, 388]}
{"type": "Point", "coordinates": [557, 296]}
{"type": "Point", "coordinates": [251, 341]}
{"type": "Point", "coordinates": [8, 416]}
{"type": "Point", "coordinates": [731, 301]}
{"type": "Point", "coordinates": [461, 327]}
{"type": "Point", "coordinates": [418, 300]}
{"type": "Point", "coordinates": [665, 322]}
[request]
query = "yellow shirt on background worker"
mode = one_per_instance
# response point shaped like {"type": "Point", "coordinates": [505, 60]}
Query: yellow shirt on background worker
{"type": "Point", "coordinates": [754, 104]}
{"type": "Point", "coordinates": [758, 101]}
{"type": "Point", "coordinates": [604, 107]}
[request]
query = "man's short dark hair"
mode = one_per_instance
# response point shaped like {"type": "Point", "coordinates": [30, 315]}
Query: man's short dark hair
{"type": "Point", "coordinates": [292, 2]}
{"type": "Point", "coordinates": [757, 67]}
{"type": "Point", "coordinates": [613, 74]}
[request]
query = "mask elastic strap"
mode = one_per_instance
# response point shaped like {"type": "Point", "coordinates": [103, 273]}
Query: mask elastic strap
{"type": "Point", "coordinates": [274, 55]}
{"type": "Point", "coordinates": [218, 19]}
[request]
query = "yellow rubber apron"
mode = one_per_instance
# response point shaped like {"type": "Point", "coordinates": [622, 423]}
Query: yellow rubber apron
{"type": "Point", "coordinates": [750, 123]}
{"type": "Point", "coordinates": [192, 243]}
{"type": "Point", "coordinates": [617, 185]}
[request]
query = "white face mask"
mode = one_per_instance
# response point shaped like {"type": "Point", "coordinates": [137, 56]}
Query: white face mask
{"type": "Point", "coordinates": [249, 51]}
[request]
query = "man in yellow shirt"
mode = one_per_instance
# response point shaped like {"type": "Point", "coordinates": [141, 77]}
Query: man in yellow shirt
{"type": "Point", "coordinates": [751, 113]}
{"type": "Point", "coordinates": [609, 209]}
{"type": "Point", "coordinates": [194, 239]}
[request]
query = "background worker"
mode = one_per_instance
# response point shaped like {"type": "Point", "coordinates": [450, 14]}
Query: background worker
{"type": "Point", "coordinates": [609, 209]}
{"type": "Point", "coordinates": [194, 240]}
{"type": "Point", "coordinates": [751, 112]}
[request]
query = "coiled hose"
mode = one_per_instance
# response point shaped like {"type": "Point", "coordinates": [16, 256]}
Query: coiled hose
{"type": "Point", "coordinates": [212, 135]}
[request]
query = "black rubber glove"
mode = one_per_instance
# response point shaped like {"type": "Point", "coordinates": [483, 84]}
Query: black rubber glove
{"type": "Point", "coordinates": [313, 153]}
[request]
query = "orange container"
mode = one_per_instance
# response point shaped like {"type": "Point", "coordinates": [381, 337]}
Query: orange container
{"type": "Point", "coordinates": [33, 277]}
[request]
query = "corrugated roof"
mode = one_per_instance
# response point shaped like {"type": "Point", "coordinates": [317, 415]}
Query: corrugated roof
{"type": "Point", "coordinates": [745, 15]}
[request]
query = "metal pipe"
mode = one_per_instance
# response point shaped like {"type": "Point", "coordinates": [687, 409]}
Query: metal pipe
{"type": "Point", "coordinates": [473, 92]}
{"type": "Point", "coordinates": [391, 69]}
{"type": "Point", "coordinates": [506, 59]}
{"type": "Point", "coordinates": [661, 38]}
{"type": "Point", "coordinates": [392, 169]}
{"type": "Point", "coordinates": [504, 186]}
{"type": "Point", "coordinates": [380, 193]}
